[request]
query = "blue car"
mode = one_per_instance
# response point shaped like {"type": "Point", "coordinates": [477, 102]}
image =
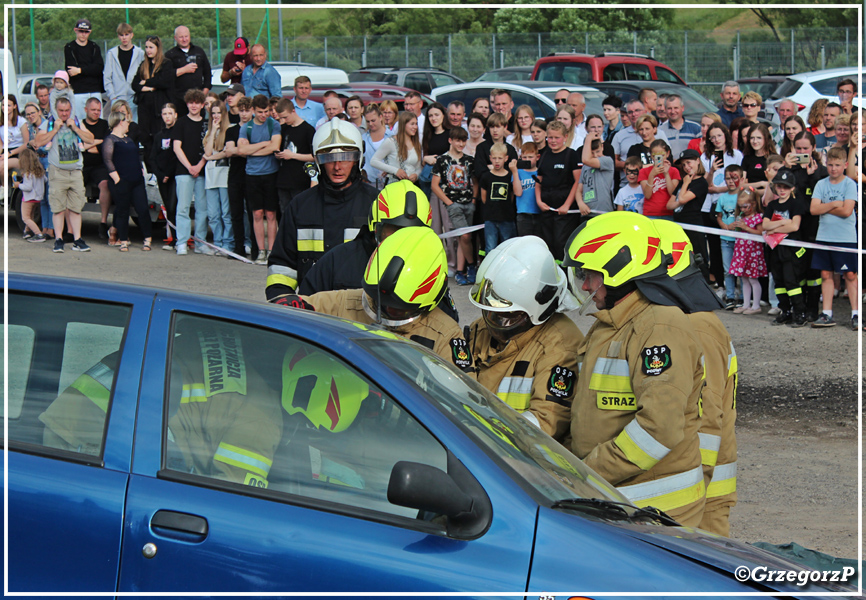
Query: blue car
{"type": "Point", "coordinates": [167, 442]}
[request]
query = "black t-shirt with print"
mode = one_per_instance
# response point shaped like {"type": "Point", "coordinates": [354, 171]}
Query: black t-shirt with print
{"type": "Point", "coordinates": [556, 171]}
{"type": "Point", "coordinates": [191, 135]}
{"type": "Point", "coordinates": [787, 210]}
{"type": "Point", "coordinates": [291, 175]}
{"type": "Point", "coordinates": [500, 197]}
{"type": "Point", "coordinates": [455, 176]}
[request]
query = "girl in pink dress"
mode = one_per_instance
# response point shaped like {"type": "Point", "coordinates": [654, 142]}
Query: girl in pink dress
{"type": "Point", "coordinates": [748, 260]}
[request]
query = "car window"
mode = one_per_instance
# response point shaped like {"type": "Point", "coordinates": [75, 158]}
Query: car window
{"type": "Point", "coordinates": [663, 74]}
{"type": "Point", "coordinates": [460, 96]}
{"type": "Point", "coordinates": [571, 72]}
{"type": "Point", "coordinates": [418, 81]}
{"type": "Point", "coordinates": [788, 88]}
{"type": "Point", "coordinates": [827, 87]}
{"type": "Point", "coordinates": [613, 73]}
{"type": "Point", "coordinates": [63, 359]}
{"type": "Point", "coordinates": [262, 409]}
{"type": "Point", "coordinates": [25, 89]}
{"type": "Point", "coordinates": [637, 72]}
{"type": "Point", "coordinates": [443, 79]}
{"type": "Point", "coordinates": [540, 111]}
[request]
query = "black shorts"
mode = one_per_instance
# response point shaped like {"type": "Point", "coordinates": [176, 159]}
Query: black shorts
{"type": "Point", "coordinates": [261, 192]}
{"type": "Point", "coordinates": [834, 260]}
{"type": "Point", "coordinates": [94, 175]}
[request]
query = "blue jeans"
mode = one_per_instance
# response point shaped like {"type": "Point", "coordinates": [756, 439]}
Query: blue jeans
{"type": "Point", "coordinates": [187, 187]}
{"type": "Point", "coordinates": [44, 207]}
{"type": "Point", "coordinates": [219, 217]}
{"type": "Point", "coordinates": [496, 232]}
{"type": "Point", "coordinates": [730, 280]}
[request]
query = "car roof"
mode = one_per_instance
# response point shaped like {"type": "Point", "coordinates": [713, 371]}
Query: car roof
{"type": "Point", "coordinates": [603, 57]}
{"type": "Point", "coordinates": [825, 73]}
{"type": "Point", "coordinates": [396, 69]}
{"type": "Point", "coordinates": [538, 86]}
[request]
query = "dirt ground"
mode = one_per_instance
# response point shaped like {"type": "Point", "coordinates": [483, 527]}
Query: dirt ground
{"type": "Point", "coordinates": [798, 400]}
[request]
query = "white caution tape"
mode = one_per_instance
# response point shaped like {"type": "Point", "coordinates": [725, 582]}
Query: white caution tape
{"type": "Point", "coordinates": [206, 243]}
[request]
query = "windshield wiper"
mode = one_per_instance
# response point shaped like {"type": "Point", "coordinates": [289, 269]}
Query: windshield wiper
{"type": "Point", "coordinates": [618, 510]}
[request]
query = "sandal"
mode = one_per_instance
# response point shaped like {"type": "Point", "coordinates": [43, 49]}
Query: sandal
{"type": "Point", "coordinates": [145, 247]}
{"type": "Point", "coordinates": [124, 246]}
{"type": "Point", "coordinates": [112, 237]}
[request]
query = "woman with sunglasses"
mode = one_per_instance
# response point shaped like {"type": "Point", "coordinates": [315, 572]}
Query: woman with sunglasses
{"type": "Point", "coordinates": [752, 102]}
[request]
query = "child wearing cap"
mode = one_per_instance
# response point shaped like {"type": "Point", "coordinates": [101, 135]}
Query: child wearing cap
{"type": "Point", "coordinates": [60, 89]}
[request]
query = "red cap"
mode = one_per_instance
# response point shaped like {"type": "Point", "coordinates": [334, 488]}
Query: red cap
{"type": "Point", "coordinates": [242, 46]}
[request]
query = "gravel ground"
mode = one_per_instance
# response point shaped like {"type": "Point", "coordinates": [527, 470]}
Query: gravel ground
{"type": "Point", "coordinates": [798, 393]}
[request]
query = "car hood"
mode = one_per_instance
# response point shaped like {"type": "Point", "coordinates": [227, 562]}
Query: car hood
{"type": "Point", "coordinates": [631, 558]}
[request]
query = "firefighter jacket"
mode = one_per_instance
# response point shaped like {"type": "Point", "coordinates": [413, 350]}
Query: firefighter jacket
{"type": "Point", "coordinates": [635, 416]}
{"type": "Point", "coordinates": [75, 421]}
{"type": "Point", "coordinates": [435, 330]}
{"type": "Point", "coordinates": [718, 414]}
{"type": "Point", "coordinates": [535, 371]}
{"type": "Point", "coordinates": [316, 220]}
{"type": "Point", "coordinates": [229, 421]}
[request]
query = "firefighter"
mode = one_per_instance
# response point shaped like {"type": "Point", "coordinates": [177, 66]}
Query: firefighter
{"type": "Point", "coordinates": [404, 283]}
{"type": "Point", "coordinates": [525, 350]}
{"type": "Point", "coordinates": [635, 416]}
{"type": "Point", "coordinates": [718, 399]}
{"type": "Point", "coordinates": [324, 216]}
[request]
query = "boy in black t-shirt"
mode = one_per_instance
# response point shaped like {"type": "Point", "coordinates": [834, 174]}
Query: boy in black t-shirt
{"type": "Point", "coordinates": [241, 217]}
{"type": "Point", "coordinates": [558, 172]}
{"type": "Point", "coordinates": [787, 265]}
{"type": "Point", "coordinates": [499, 186]}
{"type": "Point", "coordinates": [189, 148]}
{"type": "Point", "coordinates": [296, 148]}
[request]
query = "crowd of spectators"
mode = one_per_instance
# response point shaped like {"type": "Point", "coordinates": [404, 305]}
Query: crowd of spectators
{"type": "Point", "coordinates": [236, 160]}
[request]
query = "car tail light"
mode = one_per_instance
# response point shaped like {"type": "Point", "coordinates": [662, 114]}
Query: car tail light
{"type": "Point", "coordinates": [800, 106]}
{"type": "Point", "coordinates": [376, 93]}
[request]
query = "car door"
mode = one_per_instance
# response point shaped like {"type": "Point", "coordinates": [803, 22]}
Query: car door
{"type": "Point", "coordinates": [235, 488]}
{"type": "Point", "coordinates": [418, 81]}
{"type": "Point", "coordinates": [73, 381]}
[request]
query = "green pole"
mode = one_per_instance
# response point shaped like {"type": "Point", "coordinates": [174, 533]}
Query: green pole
{"type": "Point", "coordinates": [217, 11]}
{"type": "Point", "coordinates": [127, 11]}
{"type": "Point", "coordinates": [259, 34]}
{"type": "Point", "coordinates": [268, 19]}
{"type": "Point", "coordinates": [32, 38]}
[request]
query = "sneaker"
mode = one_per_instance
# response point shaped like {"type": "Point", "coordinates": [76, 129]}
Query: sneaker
{"type": "Point", "coordinates": [782, 318]}
{"type": "Point", "coordinates": [181, 250]}
{"type": "Point", "coordinates": [739, 310]}
{"type": "Point", "coordinates": [262, 259]}
{"type": "Point", "coordinates": [27, 235]}
{"type": "Point", "coordinates": [37, 238]}
{"type": "Point", "coordinates": [248, 250]}
{"type": "Point", "coordinates": [471, 271]}
{"type": "Point", "coordinates": [460, 278]}
{"type": "Point", "coordinates": [854, 326]}
{"type": "Point", "coordinates": [80, 245]}
{"type": "Point", "coordinates": [58, 246]}
{"type": "Point", "coordinates": [799, 320]}
{"type": "Point", "coordinates": [730, 304]}
{"type": "Point", "coordinates": [774, 311]}
{"type": "Point", "coordinates": [752, 311]}
{"type": "Point", "coordinates": [168, 247]}
{"type": "Point", "coordinates": [824, 321]}
{"type": "Point", "coordinates": [206, 250]}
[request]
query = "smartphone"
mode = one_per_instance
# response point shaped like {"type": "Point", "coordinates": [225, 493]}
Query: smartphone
{"type": "Point", "coordinates": [658, 159]}
{"type": "Point", "coordinates": [720, 156]}
{"type": "Point", "coordinates": [524, 164]}
{"type": "Point", "coordinates": [802, 159]}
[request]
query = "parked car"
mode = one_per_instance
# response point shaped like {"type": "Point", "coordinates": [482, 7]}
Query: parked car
{"type": "Point", "coordinates": [288, 72]}
{"type": "Point", "coordinates": [695, 104]}
{"type": "Point", "coordinates": [805, 88]}
{"type": "Point", "coordinates": [764, 85]}
{"type": "Point", "coordinates": [392, 472]}
{"type": "Point", "coordinates": [538, 95]}
{"type": "Point", "coordinates": [27, 85]}
{"type": "Point", "coordinates": [368, 92]}
{"type": "Point", "coordinates": [507, 74]}
{"type": "Point", "coordinates": [417, 78]}
{"type": "Point", "coordinates": [585, 69]}
{"type": "Point", "coordinates": [7, 69]}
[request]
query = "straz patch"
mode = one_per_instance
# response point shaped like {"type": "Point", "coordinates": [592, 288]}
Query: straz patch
{"type": "Point", "coordinates": [615, 401]}
{"type": "Point", "coordinates": [255, 481]}
{"type": "Point", "coordinates": [561, 382]}
{"type": "Point", "coordinates": [223, 357]}
{"type": "Point", "coordinates": [655, 360]}
{"type": "Point", "coordinates": [460, 355]}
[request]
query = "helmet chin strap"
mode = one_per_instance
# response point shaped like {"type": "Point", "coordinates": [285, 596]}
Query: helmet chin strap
{"type": "Point", "coordinates": [589, 303]}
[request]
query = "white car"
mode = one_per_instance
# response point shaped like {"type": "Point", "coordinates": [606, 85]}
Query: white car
{"type": "Point", "coordinates": [27, 87]}
{"type": "Point", "coordinates": [289, 71]}
{"type": "Point", "coordinates": [806, 88]}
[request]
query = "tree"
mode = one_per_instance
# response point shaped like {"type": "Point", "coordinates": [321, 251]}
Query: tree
{"type": "Point", "coordinates": [540, 20]}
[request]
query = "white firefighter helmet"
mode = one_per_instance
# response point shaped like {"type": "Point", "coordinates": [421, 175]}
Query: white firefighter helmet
{"type": "Point", "coordinates": [521, 275]}
{"type": "Point", "coordinates": [338, 140]}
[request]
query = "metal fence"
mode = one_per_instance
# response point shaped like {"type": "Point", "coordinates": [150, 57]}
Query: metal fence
{"type": "Point", "coordinates": [699, 57]}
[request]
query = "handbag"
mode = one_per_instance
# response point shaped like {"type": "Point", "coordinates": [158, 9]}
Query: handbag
{"type": "Point", "coordinates": [426, 174]}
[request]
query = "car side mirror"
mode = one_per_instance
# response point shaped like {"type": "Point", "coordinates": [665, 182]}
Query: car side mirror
{"type": "Point", "coordinates": [427, 488]}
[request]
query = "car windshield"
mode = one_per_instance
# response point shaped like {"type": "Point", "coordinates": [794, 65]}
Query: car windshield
{"type": "Point", "coordinates": [529, 454]}
{"type": "Point", "coordinates": [593, 100]}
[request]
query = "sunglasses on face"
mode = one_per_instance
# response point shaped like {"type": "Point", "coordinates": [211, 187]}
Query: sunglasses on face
{"type": "Point", "coordinates": [560, 101]}
{"type": "Point", "coordinates": [750, 105]}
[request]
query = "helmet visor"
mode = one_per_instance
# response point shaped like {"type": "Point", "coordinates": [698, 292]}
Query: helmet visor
{"type": "Point", "coordinates": [338, 155]}
{"type": "Point", "coordinates": [483, 295]}
{"type": "Point", "coordinates": [577, 278]}
{"type": "Point", "coordinates": [389, 316]}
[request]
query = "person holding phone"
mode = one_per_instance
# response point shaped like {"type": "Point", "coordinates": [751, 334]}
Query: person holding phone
{"type": "Point", "coordinates": [235, 62]}
{"type": "Point", "coordinates": [718, 154]}
{"type": "Point", "coordinates": [658, 182]}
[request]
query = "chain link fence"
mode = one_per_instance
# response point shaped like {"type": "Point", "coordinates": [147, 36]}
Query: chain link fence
{"type": "Point", "coordinates": [703, 59]}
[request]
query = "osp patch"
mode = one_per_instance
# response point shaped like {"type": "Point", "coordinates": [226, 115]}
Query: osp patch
{"type": "Point", "coordinates": [655, 360]}
{"type": "Point", "coordinates": [460, 355]}
{"type": "Point", "coordinates": [561, 382]}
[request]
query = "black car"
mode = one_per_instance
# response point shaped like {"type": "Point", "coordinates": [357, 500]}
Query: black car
{"type": "Point", "coordinates": [507, 74]}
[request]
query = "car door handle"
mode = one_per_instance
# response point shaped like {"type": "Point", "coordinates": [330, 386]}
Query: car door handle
{"type": "Point", "coordinates": [177, 521]}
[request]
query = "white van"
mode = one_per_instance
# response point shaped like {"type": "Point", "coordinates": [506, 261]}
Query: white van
{"type": "Point", "coordinates": [289, 71]}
